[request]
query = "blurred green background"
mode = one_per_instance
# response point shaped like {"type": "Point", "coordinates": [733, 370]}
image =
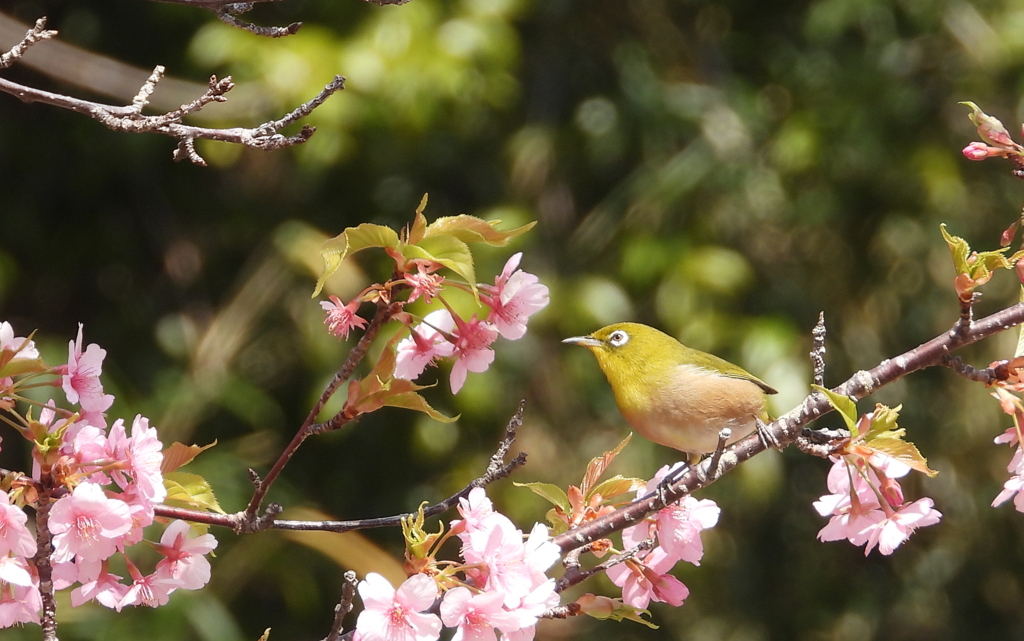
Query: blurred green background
{"type": "Point", "coordinates": [722, 170]}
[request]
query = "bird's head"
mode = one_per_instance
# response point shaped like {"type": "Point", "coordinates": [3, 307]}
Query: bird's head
{"type": "Point", "coordinates": [626, 349]}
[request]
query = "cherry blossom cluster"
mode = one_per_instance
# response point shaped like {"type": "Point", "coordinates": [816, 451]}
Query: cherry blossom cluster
{"type": "Point", "coordinates": [676, 529]}
{"type": "Point", "coordinates": [866, 504]}
{"type": "Point", "coordinates": [97, 486]}
{"type": "Point", "coordinates": [443, 334]}
{"type": "Point", "coordinates": [500, 586]}
{"type": "Point", "coordinates": [1011, 404]}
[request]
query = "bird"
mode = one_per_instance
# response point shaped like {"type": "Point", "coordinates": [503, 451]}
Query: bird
{"type": "Point", "coordinates": [675, 395]}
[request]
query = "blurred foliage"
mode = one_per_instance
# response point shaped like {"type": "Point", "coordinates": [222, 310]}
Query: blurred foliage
{"type": "Point", "coordinates": [723, 170]}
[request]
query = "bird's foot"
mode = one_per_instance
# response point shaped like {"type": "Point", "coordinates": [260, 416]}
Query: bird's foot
{"type": "Point", "coordinates": [674, 474]}
{"type": "Point", "coordinates": [767, 438]}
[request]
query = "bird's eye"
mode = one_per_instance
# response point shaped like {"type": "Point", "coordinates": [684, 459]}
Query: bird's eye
{"type": "Point", "coordinates": [618, 338]}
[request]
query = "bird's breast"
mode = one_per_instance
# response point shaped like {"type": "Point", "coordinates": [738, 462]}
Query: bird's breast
{"type": "Point", "coordinates": [688, 409]}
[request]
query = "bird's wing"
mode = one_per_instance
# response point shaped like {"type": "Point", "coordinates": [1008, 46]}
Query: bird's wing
{"type": "Point", "coordinates": [735, 371]}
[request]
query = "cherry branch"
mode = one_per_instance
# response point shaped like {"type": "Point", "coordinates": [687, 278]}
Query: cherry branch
{"type": "Point", "coordinates": [129, 118]}
{"type": "Point", "coordinates": [41, 561]}
{"type": "Point", "coordinates": [789, 427]}
{"type": "Point", "coordinates": [228, 10]}
{"type": "Point", "coordinates": [240, 522]}
{"type": "Point", "coordinates": [385, 310]}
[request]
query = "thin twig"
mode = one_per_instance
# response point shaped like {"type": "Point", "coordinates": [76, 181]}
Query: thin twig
{"type": "Point", "coordinates": [497, 469]}
{"type": "Point", "coordinates": [128, 118]}
{"type": "Point", "coordinates": [818, 351]}
{"type": "Point", "coordinates": [242, 521]}
{"type": "Point", "coordinates": [999, 372]}
{"type": "Point", "coordinates": [36, 34]}
{"type": "Point", "coordinates": [227, 16]}
{"type": "Point", "coordinates": [348, 595]}
{"type": "Point", "coordinates": [570, 579]}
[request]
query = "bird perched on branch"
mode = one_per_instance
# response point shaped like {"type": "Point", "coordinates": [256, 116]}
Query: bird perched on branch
{"type": "Point", "coordinates": [675, 395]}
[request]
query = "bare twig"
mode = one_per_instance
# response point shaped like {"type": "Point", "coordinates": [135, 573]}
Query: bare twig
{"type": "Point", "coordinates": [36, 34]}
{"type": "Point", "coordinates": [245, 522]}
{"type": "Point", "coordinates": [818, 351]}
{"type": "Point", "coordinates": [129, 119]}
{"type": "Point", "coordinates": [227, 16]}
{"type": "Point", "coordinates": [821, 443]}
{"type": "Point", "coordinates": [789, 428]}
{"type": "Point", "coordinates": [999, 372]}
{"type": "Point", "coordinates": [348, 595]}
{"type": "Point", "coordinates": [966, 313]}
{"type": "Point", "coordinates": [497, 469]}
{"type": "Point", "coordinates": [574, 576]}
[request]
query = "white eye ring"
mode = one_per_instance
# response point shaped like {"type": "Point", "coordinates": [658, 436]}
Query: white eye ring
{"type": "Point", "coordinates": [618, 338]}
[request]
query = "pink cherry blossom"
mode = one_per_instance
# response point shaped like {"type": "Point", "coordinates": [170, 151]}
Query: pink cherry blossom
{"type": "Point", "coordinates": [184, 558]}
{"type": "Point", "coordinates": [81, 380]}
{"type": "Point", "coordinates": [87, 524]}
{"type": "Point", "coordinates": [151, 590]}
{"type": "Point", "coordinates": [14, 535]}
{"type": "Point", "coordinates": [19, 604]}
{"type": "Point", "coordinates": [889, 532]}
{"type": "Point", "coordinates": [22, 347]}
{"type": "Point", "coordinates": [142, 455]}
{"type": "Point", "coordinates": [425, 344]}
{"type": "Point", "coordinates": [93, 450]}
{"type": "Point", "coordinates": [15, 570]}
{"type": "Point", "coordinates": [646, 580]}
{"type": "Point", "coordinates": [424, 282]}
{"type": "Point", "coordinates": [341, 318]}
{"type": "Point", "coordinates": [472, 349]}
{"type": "Point", "coordinates": [106, 589]}
{"type": "Point", "coordinates": [515, 296]}
{"type": "Point", "coordinates": [397, 615]}
{"type": "Point", "coordinates": [476, 615]}
{"type": "Point", "coordinates": [679, 527]}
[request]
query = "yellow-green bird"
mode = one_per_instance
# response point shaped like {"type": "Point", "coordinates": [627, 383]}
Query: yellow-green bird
{"type": "Point", "coordinates": [675, 395]}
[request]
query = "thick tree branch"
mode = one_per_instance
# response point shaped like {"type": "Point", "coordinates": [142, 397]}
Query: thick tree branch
{"type": "Point", "coordinates": [789, 427]}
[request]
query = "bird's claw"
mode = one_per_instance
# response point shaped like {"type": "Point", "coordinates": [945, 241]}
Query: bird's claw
{"type": "Point", "coordinates": [674, 475]}
{"type": "Point", "coordinates": [767, 438]}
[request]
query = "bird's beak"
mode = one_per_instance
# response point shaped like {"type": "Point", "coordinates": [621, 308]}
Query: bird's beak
{"type": "Point", "coordinates": [586, 341]}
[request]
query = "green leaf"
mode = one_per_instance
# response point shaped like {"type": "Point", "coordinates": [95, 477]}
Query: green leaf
{"type": "Point", "coordinates": [413, 401]}
{"type": "Point", "coordinates": [622, 612]}
{"type": "Point", "coordinates": [335, 250]}
{"type": "Point", "coordinates": [959, 248]}
{"type": "Point", "coordinates": [903, 451]}
{"type": "Point", "coordinates": [554, 494]}
{"type": "Point", "coordinates": [10, 367]}
{"type": "Point", "coordinates": [178, 455]}
{"type": "Point", "coordinates": [845, 405]}
{"type": "Point", "coordinates": [190, 491]}
{"type": "Point", "coordinates": [883, 421]}
{"type": "Point", "coordinates": [558, 525]}
{"type": "Point", "coordinates": [447, 250]}
{"type": "Point", "coordinates": [471, 229]}
{"type": "Point", "coordinates": [419, 223]}
{"type": "Point", "coordinates": [617, 485]}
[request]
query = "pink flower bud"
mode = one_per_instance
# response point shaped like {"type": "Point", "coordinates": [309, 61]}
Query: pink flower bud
{"type": "Point", "coordinates": [980, 151]}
